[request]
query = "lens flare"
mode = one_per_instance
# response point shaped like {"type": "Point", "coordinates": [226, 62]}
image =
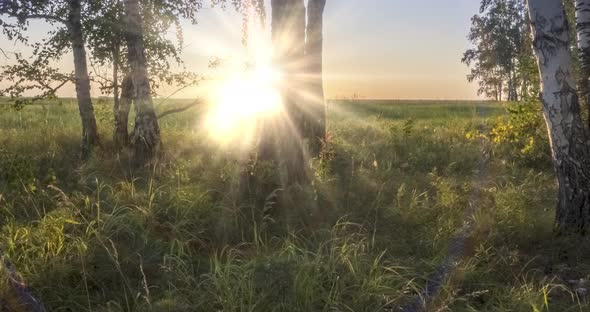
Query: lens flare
{"type": "Point", "coordinates": [248, 93]}
{"type": "Point", "coordinates": [240, 103]}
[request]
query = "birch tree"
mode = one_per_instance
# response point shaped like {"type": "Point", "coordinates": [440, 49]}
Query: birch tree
{"type": "Point", "coordinates": [313, 55]}
{"type": "Point", "coordinates": [288, 36]}
{"type": "Point", "coordinates": [568, 135]}
{"type": "Point", "coordinates": [67, 14]}
{"type": "Point", "coordinates": [583, 34]}
{"type": "Point", "coordinates": [105, 31]}
{"type": "Point", "coordinates": [82, 79]}
{"type": "Point", "coordinates": [106, 42]}
{"type": "Point", "coordinates": [145, 138]}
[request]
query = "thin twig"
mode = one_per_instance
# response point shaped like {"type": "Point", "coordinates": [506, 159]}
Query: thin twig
{"type": "Point", "coordinates": [3, 53]}
{"type": "Point", "coordinates": [48, 17]}
{"type": "Point", "coordinates": [194, 82]}
{"type": "Point", "coordinates": [180, 109]}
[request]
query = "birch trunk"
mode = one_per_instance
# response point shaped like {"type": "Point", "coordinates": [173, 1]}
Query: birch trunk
{"type": "Point", "coordinates": [313, 55]}
{"type": "Point", "coordinates": [568, 135]}
{"type": "Point", "coordinates": [121, 110]}
{"type": "Point", "coordinates": [82, 80]}
{"type": "Point", "coordinates": [583, 33]}
{"type": "Point", "coordinates": [288, 36]}
{"type": "Point", "coordinates": [115, 55]}
{"type": "Point", "coordinates": [145, 137]}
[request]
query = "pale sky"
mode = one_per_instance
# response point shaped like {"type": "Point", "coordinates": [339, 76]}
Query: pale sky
{"type": "Point", "coordinates": [385, 49]}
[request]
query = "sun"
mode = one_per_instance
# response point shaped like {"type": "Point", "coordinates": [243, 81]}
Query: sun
{"type": "Point", "coordinates": [247, 94]}
{"type": "Point", "coordinates": [242, 102]}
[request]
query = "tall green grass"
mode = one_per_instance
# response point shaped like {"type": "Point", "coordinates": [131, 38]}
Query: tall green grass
{"type": "Point", "coordinates": [388, 195]}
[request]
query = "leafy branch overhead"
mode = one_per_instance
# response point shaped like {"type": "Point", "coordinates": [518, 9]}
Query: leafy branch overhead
{"type": "Point", "coordinates": [106, 40]}
{"type": "Point", "coordinates": [36, 72]}
{"type": "Point", "coordinates": [103, 23]}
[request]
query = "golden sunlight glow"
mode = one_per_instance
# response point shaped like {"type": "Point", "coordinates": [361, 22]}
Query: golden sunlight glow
{"type": "Point", "coordinates": [246, 95]}
{"type": "Point", "coordinates": [239, 103]}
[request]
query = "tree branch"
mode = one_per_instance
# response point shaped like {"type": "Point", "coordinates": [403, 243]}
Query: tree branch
{"type": "Point", "coordinates": [49, 17]}
{"type": "Point", "coordinates": [3, 53]}
{"type": "Point", "coordinates": [180, 109]}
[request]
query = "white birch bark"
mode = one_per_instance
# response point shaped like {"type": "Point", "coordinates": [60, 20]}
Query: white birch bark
{"type": "Point", "coordinates": [583, 33]}
{"type": "Point", "coordinates": [145, 137]}
{"type": "Point", "coordinates": [82, 79]}
{"type": "Point", "coordinates": [583, 23]}
{"type": "Point", "coordinates": [316, 121]}
{"type": "Point", "coordinates": [288, 36]}
{"type": "Point", "coordinates": [567, 134]}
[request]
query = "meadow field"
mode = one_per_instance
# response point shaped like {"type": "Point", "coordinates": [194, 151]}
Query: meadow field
{"type": "Point", "coordinates": [410, 199]}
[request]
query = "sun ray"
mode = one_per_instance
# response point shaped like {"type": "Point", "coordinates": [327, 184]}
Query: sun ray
{"type": "Point", "coordinates": [247, 95]}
